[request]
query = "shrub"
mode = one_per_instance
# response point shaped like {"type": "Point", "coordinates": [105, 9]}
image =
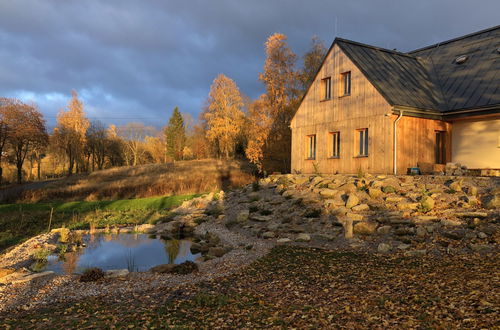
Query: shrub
{"type": "Point", "coordinates": [41, 255]}
{"type": "Point", "coordinates": [186, 267]}
{"type": "Point", "coordinates": [64, 235]}
{"type": "Point", "coordinates": [389, 189]}
{"type": "Point", "coordinates": [92, 275]}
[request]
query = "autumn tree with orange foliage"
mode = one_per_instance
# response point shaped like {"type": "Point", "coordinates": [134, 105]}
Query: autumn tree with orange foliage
{"type": "Point", "coordinates": [223, 115]}
{"type": "Point", "coordinates": [70, 133]}
{"type": "Point", "coordinates": [269, 144]}
{"type": "Point", "coordinates": [25, 131]}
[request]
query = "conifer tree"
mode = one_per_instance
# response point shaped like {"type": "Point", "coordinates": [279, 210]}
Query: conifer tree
{"type": "Point", "coordinates": [175, 135]}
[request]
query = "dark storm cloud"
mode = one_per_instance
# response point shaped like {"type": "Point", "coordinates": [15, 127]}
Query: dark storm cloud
{"type": "Point", "coordinates": [136, 60]}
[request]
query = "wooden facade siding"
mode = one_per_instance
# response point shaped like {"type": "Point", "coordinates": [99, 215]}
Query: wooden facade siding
{"type": "Point", "coordinates": [363, 108]}
{"type": "Point", "coordinates": [417, 142]}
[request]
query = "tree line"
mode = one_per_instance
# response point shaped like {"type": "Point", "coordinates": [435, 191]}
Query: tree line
{"type": "Point", "coordinates": [230, 125]}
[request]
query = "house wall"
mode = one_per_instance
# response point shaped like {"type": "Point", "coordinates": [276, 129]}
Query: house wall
{"type": "Point", "coordinates": [476, 143]}
{"type": "Point", "coordinates": [363, 108]}
{"type": "Point", "coordinates": [416, 142]}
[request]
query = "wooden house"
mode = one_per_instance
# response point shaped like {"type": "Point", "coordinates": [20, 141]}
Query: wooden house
{"type": "Point", "coordinates": [384, 111]}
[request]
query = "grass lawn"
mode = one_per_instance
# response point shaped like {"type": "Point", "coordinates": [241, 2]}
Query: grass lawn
{"type": "Point", "coordinates": [303, 288]}
{"type": "Point", "coordinates": [22, 221]}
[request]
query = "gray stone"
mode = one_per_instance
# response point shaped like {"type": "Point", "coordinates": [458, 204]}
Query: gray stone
{"type": "Point", "coordinates": [482, 235]}
{"type": "Point", "coordinates": [450, 223]}
{"type": "Point", "coordinates": [303, 237]}
{"type": "Point", "coordinates": [260, 218]}
{"type": "Point", "coordinates": [361, 208]}
{"type": "Point", "coordinates": [416, 253]}
{"type": "Point", "coordinates": [455, 234]}
{"type": "Point", "coordinates": [217, 251]}
{"type": "Point", "coordinates": [421, 232]}
{"type": "Point", "coordinates": [243, 216]}
{"type": "Point", "coordinates": [374, 192]}
{"type": "Point", "coordinates": [427, 203]}
{"type": "Point", "coordinates": [384, 230]}
{"type": "Point", "coordinates": [161, 269]}
{"type": "Point", "coordinates": [283, 240]}
{"type": "Point", "coordinates": [456, 186]}
{"type": "Point", "coordinates": [365, 228]}
{"type": "Point", "coordinates": [115, 273]}
{"type": "Point", "coordinates": [404, 246]}
{"type": "Point", "coordinates": [481, 247]}
{"type": "Point", "coordinates": [31, 277]}
{"type": "Point", "coordinates": [269, 234]}
{"type": "Point", "coordinates": [328, 193]}
{"type": "Point", "coordinates": [352, 201]}
{"type": "Point", "coordinates": [403, 231]}
{"type": "Point", "coordinates": [384, 248]}
{"type": "Point", "coordinates": [407, 206]}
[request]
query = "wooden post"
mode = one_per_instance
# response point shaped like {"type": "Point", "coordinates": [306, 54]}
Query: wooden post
{"type": "Point", "coordinates": [348, 228]}
{"type": "Point", "coordinates": [50, 218]}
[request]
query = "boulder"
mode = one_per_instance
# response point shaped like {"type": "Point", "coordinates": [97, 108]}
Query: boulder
{"type": "Point", "coordinates": [455, 234]}
{"type": "Point", "coordinates": [492, 202]}
{"type": "Point", "coordinates": [31, 277]}
{"type": "Point", "coordinates": [146, 228]}
{"type": "Point", "coordinates": [481, 247]}
{"type": "Point", "coordinates": [427, 203]}
{"type": "Point", "coordinates": [361, 208]}
{"type": "Point", "coordinates": [348, 188]}
{"type": "Point", "coordinates": [450, 223]}
{"type": "Point", "coordinates": [6, 271]}
{"type": "Point", "coordinates": [217, 251]}
{"type": "Point", "coordinates": [260, 218]}
{"type": "Point", "coordinates": [421, 231]}
{"type": "Point", "coordinates": [374, 192]}
{"type": "Point", "coordinates": [394, 199]}
{"type": "Point", "coordinates": [328, 193]}
{"type": "Point", "coordinates": [384, 248]}
{"type": "Point", "coordinates": [269, 234]}
{"type": "Point", "coordinates": [242, 216]}
{"type": "Point", "coordinates": [407, 206]}
{"type": "Point", "coordinates": [384, 230]}
{"type": "Point", "coordinates": [416, 253]}
{"type": "Point", "coordinates": [365, 228]}
{"type": "Point", "coordinates": [115, 273]}
{"type": "Point", "coordinates": [303, 237]}
{"type": "Point", "coordinates": [388, 189]}
{"type": "Point", "coordinates": [283, 240]}
{"type": "Point", "coordinates": [165, 268]}
{"type": "Point", "coordinates": [456, 185]}
{"type": "Point", "coordinates": [352, 201]}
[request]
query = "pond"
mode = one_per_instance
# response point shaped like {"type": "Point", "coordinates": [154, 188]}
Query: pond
{"type": "Point", "coordinates": [135, 252]}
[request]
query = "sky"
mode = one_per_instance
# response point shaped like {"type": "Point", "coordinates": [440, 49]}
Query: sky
{"type": "Point", "coordinates": [135, 60]}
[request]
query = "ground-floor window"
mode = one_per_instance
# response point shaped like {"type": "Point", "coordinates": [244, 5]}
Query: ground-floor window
{"type": "Point", "coordinates": [311, 146]}
{"type": "Point", "coordinates": [334, 145]}
{"type": "Point", "coordinates": [440, 147]}
{"type": "Point", "coordinates": [362, 141]}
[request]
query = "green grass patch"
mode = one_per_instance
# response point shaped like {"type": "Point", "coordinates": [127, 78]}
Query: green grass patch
{"type": "Point", "coordinates": [19, 222]}
{"type": "Point", "coordinates": [152, 203]}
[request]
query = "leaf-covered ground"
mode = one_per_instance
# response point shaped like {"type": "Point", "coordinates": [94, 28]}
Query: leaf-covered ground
{"type": "Point", "coordinates": [305, 288]}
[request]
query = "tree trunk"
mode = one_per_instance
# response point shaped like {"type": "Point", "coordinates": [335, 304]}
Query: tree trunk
{"type": "Point", "coordinates": [38, 171]}
{"type": "Point", "coordinates": [19, 172]}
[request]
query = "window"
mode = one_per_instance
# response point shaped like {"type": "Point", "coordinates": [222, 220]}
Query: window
{"type": "Point", "coordinates": [334, 145]}
{"type": "Point", "coordinates": [326, 89]}
{"type": "Point", "coordinates": [362, 137]}
{"type": "Point", "coordinates": [311, 147]}
{"type": "Point", "coordinates": [346, 83]}
{"type": "Point", "coordinates": [440, 147]}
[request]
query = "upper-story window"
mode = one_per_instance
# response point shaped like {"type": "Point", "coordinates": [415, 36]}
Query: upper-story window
{"type": "Point", "coordinates": [326, 89]}
{"type": "Point", "coordinates": [345, 83]}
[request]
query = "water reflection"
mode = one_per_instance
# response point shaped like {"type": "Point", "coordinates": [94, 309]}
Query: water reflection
{"type": "Point", "coordinates": [136, 252]}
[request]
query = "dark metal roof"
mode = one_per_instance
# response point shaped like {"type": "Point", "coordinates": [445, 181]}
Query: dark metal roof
{"type": "Point", "coordinates": [474, 83]}
{"type": "Point", "coordinates": [429, 78]}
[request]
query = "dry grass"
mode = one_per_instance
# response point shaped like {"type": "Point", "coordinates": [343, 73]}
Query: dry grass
{"type": "Point", "coordinates": [184, 177]}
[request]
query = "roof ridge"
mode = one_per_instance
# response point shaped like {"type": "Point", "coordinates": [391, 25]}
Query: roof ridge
{"type": "Point", "coordinates": [394, 52]}
{"type": "Point", "coordinates": [454, 39]}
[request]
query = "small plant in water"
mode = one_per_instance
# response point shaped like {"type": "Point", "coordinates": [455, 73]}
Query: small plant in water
{"type": "Point", "coordinates": [92, 274]}
{"type": "Point", "coordinates": [131, 265]}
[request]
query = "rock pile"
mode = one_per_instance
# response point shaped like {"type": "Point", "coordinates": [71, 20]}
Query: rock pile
{"type": "Point", "coordinates": [385, 212]}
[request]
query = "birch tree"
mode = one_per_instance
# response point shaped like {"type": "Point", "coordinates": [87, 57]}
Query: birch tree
{"type": "Point", "coordinates": [224, 116]}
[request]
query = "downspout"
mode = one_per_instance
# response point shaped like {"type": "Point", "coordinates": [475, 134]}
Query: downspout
{"type": "Point", "coordinates": [395, 153]}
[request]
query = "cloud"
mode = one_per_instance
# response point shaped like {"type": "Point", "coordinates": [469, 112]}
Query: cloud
{"type": "Point", "coordinates": [137, 60]}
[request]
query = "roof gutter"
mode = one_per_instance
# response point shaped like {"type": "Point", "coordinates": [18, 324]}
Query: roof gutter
{"type": "Point", "coordinates": [395, 144]}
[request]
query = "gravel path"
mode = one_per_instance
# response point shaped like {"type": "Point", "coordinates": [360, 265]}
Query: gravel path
{"type": "Point", "coordinates": [64, 288]}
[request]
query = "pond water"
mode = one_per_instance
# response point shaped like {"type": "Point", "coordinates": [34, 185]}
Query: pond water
{"type": "Point", "coordinates": [135, 252]}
